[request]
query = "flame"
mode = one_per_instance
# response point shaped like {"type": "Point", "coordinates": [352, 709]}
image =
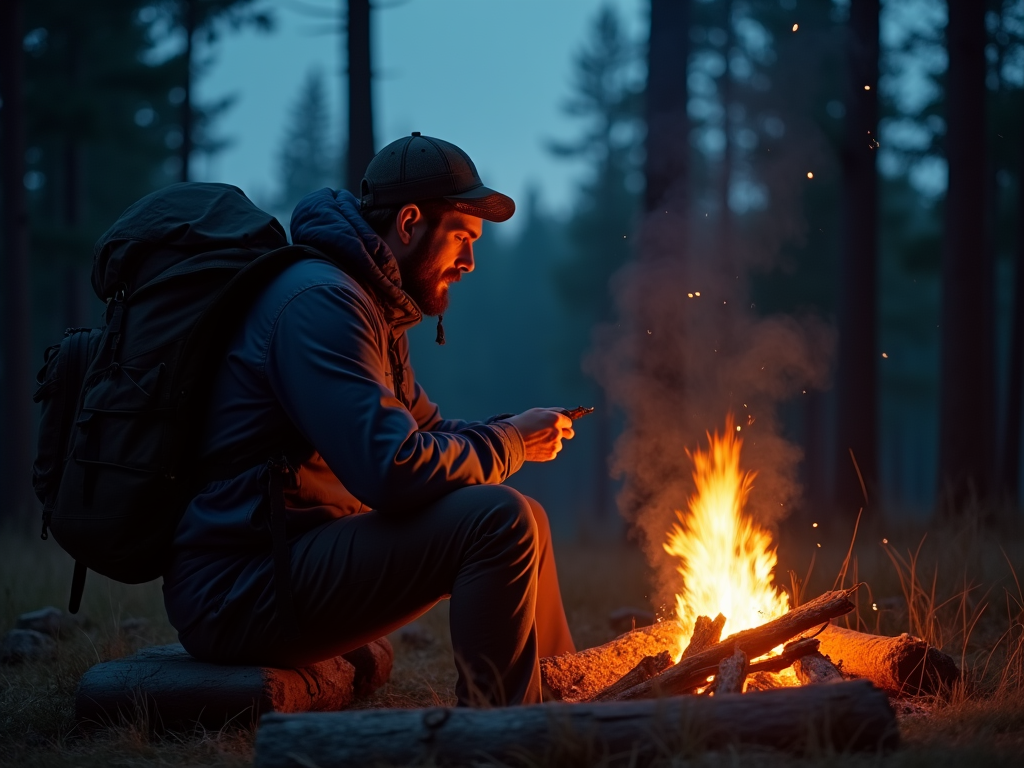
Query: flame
{"type": "Point", "coordinates": [726, 559]}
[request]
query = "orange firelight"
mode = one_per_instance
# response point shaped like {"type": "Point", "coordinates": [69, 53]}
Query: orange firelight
{"type": "Point", "coordinates": [726, 559]}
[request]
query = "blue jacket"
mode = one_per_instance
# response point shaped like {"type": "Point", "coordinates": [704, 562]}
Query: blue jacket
{"type": "Point", "coordinates": [318, 354]}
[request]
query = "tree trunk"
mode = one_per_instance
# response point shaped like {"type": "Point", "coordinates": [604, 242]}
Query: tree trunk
{"type": "Point", "coordinates": [667, 123]}
{"type": "Point", "coordinates": [966, 415]}
{"type": "Point", "coordinates": [851, 716]}
{"type": "Point", "coordinates": [189, 15]}
{"type": "Point", "coordinates": [1015, 373]}
{"type": "Point", "coordinates": [857, 375]}
{"type": "Point", "coordinates": [360, 95]}
{"type": "Point", "coordinates": [16, 445]}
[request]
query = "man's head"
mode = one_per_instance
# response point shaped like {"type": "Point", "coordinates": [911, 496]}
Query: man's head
{"type": "Point", "coordinates": [424, 197]}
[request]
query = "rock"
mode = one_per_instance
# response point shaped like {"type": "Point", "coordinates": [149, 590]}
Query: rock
{"type": "Point", "coordinates": [172, 689]}
{"type": "Point", "coordinates": [21, 645]}
{"type": "Point", "coordinates": [415, 636]}
{"type": "Point", "coordinates": [50, 621]}
{"type": "Point", "coordinates": [626, 619]}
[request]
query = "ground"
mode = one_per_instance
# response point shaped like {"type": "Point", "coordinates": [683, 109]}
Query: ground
{"type": "Point", "coordinates": [958, 589]}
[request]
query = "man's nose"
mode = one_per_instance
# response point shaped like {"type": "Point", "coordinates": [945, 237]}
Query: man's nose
{"type": "Point", "coordinates": [466, 262]}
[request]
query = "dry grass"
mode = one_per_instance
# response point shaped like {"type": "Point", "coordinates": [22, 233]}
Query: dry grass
{"type": "Point", "coordinates": [955, 585]}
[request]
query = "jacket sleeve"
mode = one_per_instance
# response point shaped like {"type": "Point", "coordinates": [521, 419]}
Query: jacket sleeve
{"type": "Point", "coordinates": [325, 366]}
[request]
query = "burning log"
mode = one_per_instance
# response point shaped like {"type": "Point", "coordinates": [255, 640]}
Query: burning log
{"type": "Point", "coordinates": [815, 668]}
{"type": "Point", "coordinates": [692, 671]}
{"type": "Point", "coordinates": [648, 667]}
{"type": "Point", "coordinates": [849, 716]}
{"type": "Point", "coordinates": [732, 672]}
{"type": "Point", "coordinates": [705, 634]}
{"type": "Point", "coordinates": [902, 666]}
{"type": "Point", "coordinates": [581, 676]}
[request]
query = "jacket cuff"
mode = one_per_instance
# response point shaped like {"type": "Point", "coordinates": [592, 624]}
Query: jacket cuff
{"type": "Point", "coordinates": [513, 441]}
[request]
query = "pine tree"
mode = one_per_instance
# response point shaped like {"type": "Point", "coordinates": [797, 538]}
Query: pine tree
{"type": "Point", "coordinates": [306, 158]}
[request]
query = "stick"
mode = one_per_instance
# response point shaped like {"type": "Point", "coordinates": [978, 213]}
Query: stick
{"type": "Point", "coordinates": [756, 642]}
{"type": "Point", "coordinates": [648, 667]}
{"type": "Point", "coordinates": [581, 676]}
{"type": "Point", "coordinates": [731, 674]}
{"type": "Point", "coordinates": [837, 718]}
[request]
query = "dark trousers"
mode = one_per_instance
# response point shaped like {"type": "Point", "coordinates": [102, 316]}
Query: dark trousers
{"type": "Point", "coordinates": [357, 578]}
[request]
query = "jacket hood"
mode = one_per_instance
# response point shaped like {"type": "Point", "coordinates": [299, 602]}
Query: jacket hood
{"type": "Point", "coordinates": [330, 222]}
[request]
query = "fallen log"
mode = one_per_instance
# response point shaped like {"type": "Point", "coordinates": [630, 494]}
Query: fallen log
{"type": "Point", "coordinates": [706, 632]}
{"type": "Point", "coordinates": [580, 676]}
{"type": "Point", "coordinates": [815, 668]}
{"type": "Point", "coordinates": [648, 667]}
{"type": "Point", "coordinates": [902, 666]}
{"type": "Point", "coordinates": [758, 641]}
{"type": "Point", "coordinates": [732, 672]}
{"type": "Point", "coordinates": [850, 716]}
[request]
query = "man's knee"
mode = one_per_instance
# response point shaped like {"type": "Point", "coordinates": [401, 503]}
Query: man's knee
{"type": "Point", "coordinates": [506, 509]}
{"type": "Point", "coordinates": [540, 517]}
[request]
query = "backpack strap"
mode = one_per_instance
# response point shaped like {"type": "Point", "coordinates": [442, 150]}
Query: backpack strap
{"type": "Point", "coordinates": [282, 475]}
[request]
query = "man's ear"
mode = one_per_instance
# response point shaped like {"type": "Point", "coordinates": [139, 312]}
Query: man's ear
{"type": "Point", "coordinates": [408, 219]}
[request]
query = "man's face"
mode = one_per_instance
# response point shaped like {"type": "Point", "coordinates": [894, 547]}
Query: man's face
{"type": "Point", "coordinates": [442, 253]}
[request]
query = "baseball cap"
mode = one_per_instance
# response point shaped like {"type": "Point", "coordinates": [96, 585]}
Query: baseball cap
{"type": "Point", "coordinates": [421, 167]}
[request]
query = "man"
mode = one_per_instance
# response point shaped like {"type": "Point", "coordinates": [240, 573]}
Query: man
{"type": "Point", "coordinates": [393, 508]}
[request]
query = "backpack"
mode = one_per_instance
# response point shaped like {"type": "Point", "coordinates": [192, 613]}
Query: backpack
{"type": "Point", "coordinates": [123, 406]}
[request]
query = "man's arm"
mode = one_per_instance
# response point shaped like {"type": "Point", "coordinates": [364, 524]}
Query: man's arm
{"type": "Point", "coordinates": [324, 365]}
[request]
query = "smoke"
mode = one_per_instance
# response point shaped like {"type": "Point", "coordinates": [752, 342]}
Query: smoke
{"type": "Point", "coordinates": [687, 349]}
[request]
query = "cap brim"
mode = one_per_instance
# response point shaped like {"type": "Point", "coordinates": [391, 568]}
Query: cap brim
{"type": "Point", "coordinates": [485, 203]}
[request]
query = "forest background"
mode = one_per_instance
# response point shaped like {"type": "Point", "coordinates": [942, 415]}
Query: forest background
{"type": "Point", "coordinates": [773, 151]}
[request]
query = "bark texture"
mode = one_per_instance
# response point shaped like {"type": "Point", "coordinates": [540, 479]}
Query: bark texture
{"type": "Point", "coordinates": [690, 672]}
{"type": "Point", "coordinates": [732, 672]}
{"type": "Point", "coordinates": [857, 375]}
{"type": "Point", "coordinates": [850, 716]}
{"type": "Point", "coordinates": [580, 676]}
{"type": "Point", "coordinates": [966, 411]}
{"type": "Point", "coordinates": [706, 632]}
{"type": "Point", "coordinates": [902, 666]}
{"type": "Point", "coordinates": [16, 370]}
{"type": "Point", "coordinates": [815, 668]}
{"type": "Point", "coordinates": [360, 94]}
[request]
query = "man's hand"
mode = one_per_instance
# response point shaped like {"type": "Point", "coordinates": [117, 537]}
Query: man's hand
{"type": "Point", "coordinates": [543, 430]}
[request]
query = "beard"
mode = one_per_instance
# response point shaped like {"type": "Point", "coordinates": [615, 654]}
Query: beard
{"type": "Point", "coordinates": [426, 280]}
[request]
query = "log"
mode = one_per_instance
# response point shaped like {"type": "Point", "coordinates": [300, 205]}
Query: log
{"type": "Point", "coordinates": [690, 672]}
{"type": "Point", "coordinates": [902, 666]}
{"type": "Point", "coordinates": [706, 632]}
{"type": "Point", "coordinates": [732, 672]}
{"type": "Point", "coordinates": [815, 668]}
{"type": "Point", "coordinates": [580, 676]}
{"type": "Point", "coordinates": [372, 663]}
{"type": "Point", "coordinates": [648, 667]}
{"type": "Point", "coordinates": [849, 716]}
{"type": "Point", "coordinates": [169, 688]}
{"type": "Point", "coordinates": [763, 681]}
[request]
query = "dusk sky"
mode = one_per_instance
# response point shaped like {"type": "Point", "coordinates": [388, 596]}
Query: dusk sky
{"type": "Point", "coordinates": [489, 76]}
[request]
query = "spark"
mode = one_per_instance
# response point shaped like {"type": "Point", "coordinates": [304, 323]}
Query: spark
{"type": "Point", "coordinates": [819, 545]}
{"type": "Point", "coordinates": [810, 175]}
{"type": "Point", "coordinates": [814, 525]}
{"type": "Point", "coordinates": [867, 87]}
{"type": "Point", "coordinates": [648, 331]}
{"type": "Point", "coordinates": [885, 541]}
{"type": "Point", "coordinates": [739, 428]}
{"type": "Point", "coordinates": [696, 293]}
{"type": "Point", "coordinates": [874, 606]}
{"type": "Point", "coordinates": [690, 295]}
{"type": "Point", "coordinates": [796, 27]}
{"type": "Point", "coordinates": [886, 356]}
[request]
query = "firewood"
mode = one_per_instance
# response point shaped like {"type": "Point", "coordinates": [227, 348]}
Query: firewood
{"type": "Point", "coordinates": [372, 663]}
{"type": "Point", "coordinates": [755, 642]}
{"type": "Point", "coordinates": [815, 668]}
{"type": "Point", "coordinates": [849, 716]}
{"type": "Point", "coordinates": [705, 634]}
{"type": "Point", "coordinates": [732, 671]}
{"type": "Point", "coordinates": [902, 666]}
{"type": "Point", "coordinates": [580, 676]}
{"type": "Point", "coordinates": [648, 667]}
{"type": "Point", "coordinates": [763, 681]}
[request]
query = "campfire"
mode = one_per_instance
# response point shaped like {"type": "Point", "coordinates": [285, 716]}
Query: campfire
{"type": "Point", "coordinates": [726, 565]}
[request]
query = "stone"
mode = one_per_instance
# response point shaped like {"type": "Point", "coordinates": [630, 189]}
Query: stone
{"type": "Point", "coordinates": [21, 645]}
{"type": "Point", "coordinates": [49, 620]}
{"type": "Point", "coordinates": [172, 689]}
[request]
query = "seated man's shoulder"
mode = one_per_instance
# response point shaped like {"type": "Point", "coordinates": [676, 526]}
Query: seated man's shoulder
{"type": "Point", "coordinates": [306, 274]}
